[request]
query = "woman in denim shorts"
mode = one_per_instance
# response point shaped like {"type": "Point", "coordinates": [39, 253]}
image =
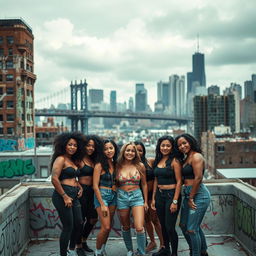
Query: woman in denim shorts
{"type": "Point", "coordinates": [197, 196]}
{"type": "Point", "coordinates": [105, 192]}
{"type": "Point", "coordinates": [130, 173]}
{"type": "Point", "coordinates": [166, 194]}
{"type": "Point", "coordinates": [67, 153]}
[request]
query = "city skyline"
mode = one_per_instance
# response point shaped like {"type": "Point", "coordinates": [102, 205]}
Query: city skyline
{"type": "Point", "coordinates": [116, 45]}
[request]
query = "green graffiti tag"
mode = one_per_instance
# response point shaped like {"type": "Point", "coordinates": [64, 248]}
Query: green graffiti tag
{"type": "Point", "coordinates": [16, 167]}
{"type": "Point", "coordinates": [245, 218]}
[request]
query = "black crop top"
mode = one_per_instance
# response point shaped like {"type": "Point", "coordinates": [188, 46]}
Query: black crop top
{"type": "Point", "coordinates": [165, 175]}
{"type": "Point", "coordinates": [149, 172]}
{"type": "Point", "coordinates": [107, 179]}
{"type": "Point", "coordinates": [86, 170]}
{"type": "Point", "coordinates": [188, 172]}
{"type": "Point", "coordinates": [69, 173]}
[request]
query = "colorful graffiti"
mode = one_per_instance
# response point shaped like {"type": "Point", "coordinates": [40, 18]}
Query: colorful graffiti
{"type": "Point", "coordinates": [16, 167]}
{"type": "Point", "coordinates": [17, 145]}
{"type": "Point", "coordinates": [245, 217]}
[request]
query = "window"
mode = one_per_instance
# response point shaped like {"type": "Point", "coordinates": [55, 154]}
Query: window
{"type": "Point", "coordinates": [1, 118]}
{"type": "Point", "coordinates": [44, 171]}
{"type": "Point", "coordinates": [221, 148]}
{"type": "Point", "coordinates": [1, 104]}
{"type": "Point", "coordinates": [10, 130]}
{"type": "Point", "coordinates": [1, 90]}
{"type": "Point", "coordinates": [28, 129]}
{"type": "Point", "coordinates": [241, 160]}
{"type": "Point", "coordinates": [1, 76]}
{"type": "Point", "coordinates": [9, 90]}
{"type": "Point", "coordinates": [1, 130]}
{"type": "Point", "coordinates": [10, 51]}
{"type": "Point", "coordinates": [1, 51]}
{"type": "Point", "coordinates": [1, 39]}
{"type": "Point", "coordinates": [9, 64]}
{"type": "Point", "coordinates": [230, 160]}
{"type": "Point", "coordinates": [9, 77]}
{"type": "Point", "coordinates": [10, 117]}
{"type": "Point", "coordinates": [10, 104]}
{"type": "Point", "coordinates": [10, 39]}
{"type": "Point", "coordinates": [1, 65]}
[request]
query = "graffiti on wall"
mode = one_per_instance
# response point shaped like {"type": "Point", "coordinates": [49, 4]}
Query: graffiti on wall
{"type": "Point", "coordinates": [17, 145]}
{"type": "Point", "coordinates": [245, 217]}
{"type": "Point", "coordinates": [16, 167]}
{"type": "Point", "coordinates": [11, 239]}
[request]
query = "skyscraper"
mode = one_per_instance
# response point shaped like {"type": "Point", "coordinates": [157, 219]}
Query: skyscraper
{"type": "Point", "coordinates": [198, 73]}
{"type": "Point", "coordinates": [141, 98]}
{"type": "Point", "coordinates": [113, 101]}
{"type": "Point", "coordinates": [214, 89]}
{"type": "Point", "coordinates": [248, 90]}
{"type": "Point", "coordinates": [17, 80]}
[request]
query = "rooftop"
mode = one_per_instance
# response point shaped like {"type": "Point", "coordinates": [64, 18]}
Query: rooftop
{"type": "Point", "coordinates": [14, 23]}
{"type": "Point", "coordinates": [238, 173]}
{"type": "Point", "coordinates": [30, 225]}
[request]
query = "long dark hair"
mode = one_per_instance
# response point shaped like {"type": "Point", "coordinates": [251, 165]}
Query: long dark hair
{"type": "Point", "coordinates": [191, 140]}
{"type": "Point", "coordinates": [159, 155]}
{"type": "Point", "coordinates": [143, 157]}
{"type": "Point", "coordinates": [102, 159]}
{"type": "Point", "coordinates": [60, 143]}
{"type": "Point", "coordinates": [98, 143]}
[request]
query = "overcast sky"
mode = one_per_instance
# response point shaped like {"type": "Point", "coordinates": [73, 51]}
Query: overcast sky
{"type": "Point", "coordinates": [114, 44]}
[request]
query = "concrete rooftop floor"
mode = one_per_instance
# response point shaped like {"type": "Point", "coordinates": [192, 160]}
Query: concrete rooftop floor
{"type": "Point", "coordinates": [217, 246]}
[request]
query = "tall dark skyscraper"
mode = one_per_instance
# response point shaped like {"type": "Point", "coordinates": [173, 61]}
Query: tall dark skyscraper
{"type": "Point", "coordinates": [113, 101]}
{"type": "Point", "coordinates": [198, 69]}
{"type": "Point", "coordinates": [140, 98]}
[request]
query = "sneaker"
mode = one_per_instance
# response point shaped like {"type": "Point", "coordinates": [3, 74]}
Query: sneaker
{"type": "Point", "coordinates": [72, 253]}
{"type": "Point", "coordinates": [80, 252]}
{"type": "Point", "coordinates": [162, 252]}
{"type": "Point", "coordinates": [151, 246]}
{"type": "Point", "coordinates": [86, 247]}
{"type": "Point", "coordinates": [97, 254]}
{"type": "Point", "coordinates": [104, 253]}
{"type": "Point", "coordinates": [129, 253]}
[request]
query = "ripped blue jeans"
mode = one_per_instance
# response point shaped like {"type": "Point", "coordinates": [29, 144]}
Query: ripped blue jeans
{"type": "Point", "coordinates": [190, 220]}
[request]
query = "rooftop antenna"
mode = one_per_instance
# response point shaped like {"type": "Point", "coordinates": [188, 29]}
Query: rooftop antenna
{"type": "Point", "coordinates": [197, 42]}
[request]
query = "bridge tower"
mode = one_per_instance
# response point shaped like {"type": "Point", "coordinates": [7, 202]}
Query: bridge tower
{"type": "Point", "coordinates": [74, 89]}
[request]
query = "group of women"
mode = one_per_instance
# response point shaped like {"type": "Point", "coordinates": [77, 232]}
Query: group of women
{"type": "Point", "coordinates": [93, 180]}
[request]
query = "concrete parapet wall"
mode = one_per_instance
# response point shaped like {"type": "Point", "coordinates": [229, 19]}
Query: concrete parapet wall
{"type": "Point", "coordinates": [231, 212]}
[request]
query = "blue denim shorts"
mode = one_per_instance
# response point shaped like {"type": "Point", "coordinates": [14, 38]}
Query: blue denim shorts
{"type": "Point", "coordinates": [108, 197]}
{"type": "Point", "coordinates": [129, 199]}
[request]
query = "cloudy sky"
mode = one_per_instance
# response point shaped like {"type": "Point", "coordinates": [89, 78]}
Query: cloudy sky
{"type": "Point", "coordinates": [114, 44]}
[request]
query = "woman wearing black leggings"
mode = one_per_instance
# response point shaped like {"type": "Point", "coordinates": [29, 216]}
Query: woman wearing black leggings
{"type": "Point", "coordinates": [166, 193]}
{"type": "Point", "coordinates": [67, 148]}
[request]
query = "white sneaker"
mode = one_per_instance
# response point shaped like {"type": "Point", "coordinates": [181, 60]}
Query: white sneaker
{"type": "Point", "coordinates": [104, 253]}
{"type": "Point", "coordinates": [129, 253]}
{"type": "Point", "coordinates": [72, 253]}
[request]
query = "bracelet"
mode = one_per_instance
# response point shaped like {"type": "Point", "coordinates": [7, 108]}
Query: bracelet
{"type": "Point", "coordinates": [63, 194]}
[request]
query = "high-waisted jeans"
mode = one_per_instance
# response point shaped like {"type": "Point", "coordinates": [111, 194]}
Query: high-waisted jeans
{"type": "Point", "coordinates": [164, 198]}
{"type": "Point", "coordinates": [190, 220]}
{"type": "Point", "coordinates": [70, 217]}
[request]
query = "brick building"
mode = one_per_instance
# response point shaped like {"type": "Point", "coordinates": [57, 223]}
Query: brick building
{"type": "Point", "coordinates": [17, 80]}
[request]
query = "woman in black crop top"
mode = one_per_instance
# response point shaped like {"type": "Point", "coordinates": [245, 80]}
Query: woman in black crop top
{"type": "Point", "coordinates": [91, 146]}
{"type": "Point", "coordinates": [197, 196]}
{"type": "Point", "coordinates": [151, 219]}
{"type": "Point", "coordinates": [67, 153]}
{"type": "Point", "coordinates": [105, 192]}
{"type": "Point", "coordinates": [166, 194]}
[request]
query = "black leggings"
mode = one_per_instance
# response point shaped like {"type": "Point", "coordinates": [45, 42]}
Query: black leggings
{"type": "Point", "coordinates": [167, 219]}
{"type": "Point", "coordinates": [69, 217]}
{"type": "Point", "coordinates": [88, 213]}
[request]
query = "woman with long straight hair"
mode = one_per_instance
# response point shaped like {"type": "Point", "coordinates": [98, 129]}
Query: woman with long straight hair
{"type": "Point", "coordinates": [166, 193]}
{"type": "Point", "coordinates": [64, 166]}
{"type": "Point", "coordinates": [92, 145]}
{"type": "Point", "coordinates": [196, 195]}
{"type": "Point", "coordinates": [130, 173]}
{"type": "Point", "coordinates": [105, 192]}
{"type": "Point", "coordinates": [151, 220]}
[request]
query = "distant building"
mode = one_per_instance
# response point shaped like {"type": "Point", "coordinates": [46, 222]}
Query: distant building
{"type": "Point", "coordinates": [213, 110]}
{"type": "Point", "coordinates": [95, 96]}
{"type": "Point", "coordinates": [254, 87]}
{"type": "Point", "coordinates": [248, 115]}
{"type": "Point", "coordinates": [17, 82]}
{"type": "Point", "coordinates": [214, 89]}
{"type": "Point", "coordinates": [198, 73]}
{"type": "Point", "coordinates": [228, 151]}
{"type": "Point", "coordinates": [248, 90]}
{"type": "Point", "coordinates": [141, 98]}
{"type": "Point", "coordinates": [113, 101]}
{"type": "Point", "coordinates": [234, 88]}
{"type": "Point", "coordinates": [131, 104]}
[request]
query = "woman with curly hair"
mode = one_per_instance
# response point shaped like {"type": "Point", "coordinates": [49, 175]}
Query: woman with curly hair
{"type": "Point", "coordinates": [151, 219]}
{"type": "Point", "coordinates": [64, 166]}
{"type": "Point", "coordinates": [196, 195]}
{"type": "Point", "coordinates": [130, 173]}
{"type": "Point", "coordinates": [92, 145]}
{"type": "Point", "coordinates": [105, 192]}
{"type": "Point", "coordinates": [166, 193]}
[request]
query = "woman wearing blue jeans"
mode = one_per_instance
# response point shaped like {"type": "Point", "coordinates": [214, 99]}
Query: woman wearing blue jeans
{"type": "Point", "coordinates": [196, 195]}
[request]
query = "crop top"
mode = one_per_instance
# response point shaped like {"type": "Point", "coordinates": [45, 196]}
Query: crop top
{"type": "Point", "coordinates": [107, 179]}
{"type": "Point", "coordinates": [149, 172]}
{"type": "Point", "coordinates": [69, 173]}
{"type": "Point", "coordinates": [188, 172]}
{"type": "Point", "coordinates": [165, 175]}
{"type": "Point", "coordinates": [86, 170]}
{"type": "Point", "coordinates": [134, 180]}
